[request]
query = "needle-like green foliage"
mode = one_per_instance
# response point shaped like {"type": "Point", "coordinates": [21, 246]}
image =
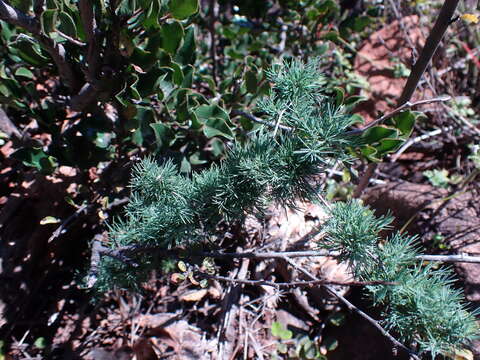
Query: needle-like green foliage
{"type": "Point", "coordinates": [423, 307]}
{"type": "Point", "coordinates": [277, 164]}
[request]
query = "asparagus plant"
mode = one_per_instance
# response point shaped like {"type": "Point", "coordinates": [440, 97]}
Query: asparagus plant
{"type": "Point", "coordinates": [304, 132]}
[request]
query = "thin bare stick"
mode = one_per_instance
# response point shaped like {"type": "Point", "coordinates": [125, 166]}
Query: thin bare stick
{"type": "Point", "coordinates": [339, 173]}
{"type": "Point", "coordinates": [293, 284]}
{"type": "Point", "coordinates": [431, 44]}
{"type": "Point", "coordinates": [356, 310]}
{"type": "Point", "coordinates": [213, 14]}
{"type": "Point", "coordinates": [87, 15]}
{"type": "Point", "coordinates": [364, 180]}
{"type": "Point", "coordinates": [462, 119]}
{"type": "Point", "coordinates": [418, 139]}
{"type": "Point", "coordinates": [461, 258]}
{"type": "Point", "coordinates": [278, 122]}
{"type": "Point", "coordinates": [69, 38]}
{"type": "Point", "coordinates": [131, 250]}
{"type": "Point", "coordinates": [398, 110]}
{"type": "Point", "coordinates": [67, 223]}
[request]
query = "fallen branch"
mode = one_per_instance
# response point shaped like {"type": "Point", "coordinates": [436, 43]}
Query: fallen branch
{"type": "Point", "coordinates": [68, 221]}
{"type": "Point", "coordinates": [293, 284]}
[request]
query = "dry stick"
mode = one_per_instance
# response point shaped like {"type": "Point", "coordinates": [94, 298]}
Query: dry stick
{"type": "Point", "coordinates": [418, 139]}
{"type": "Point", "coordinates": [312, 253]}
{"type": "Point", "coordinates": [460, 63]}
{"type": "Point", "coordinates": [431, 44]}
{"type": "Point", "coordinates": [462, 119]}
{"type": "Point", "coordinates": [404, 30]}
{"type": "Point", "coordinates": [367, 176]}
{"type": "Point", "coordinates": [71, 39]}
{"type": "Point", "coordinates": [65, 224]}
{"type": "Point", "coordinates": [398, 110]}
{"type": "Point", "coordinates": [122, 252]}
{"type": "Point", "coordinates": [230, 311]}
{"type": "Point", "coordinates": [356, 310]}
{"type": "Point", "coordinates": [87, 16]}
{"type": "Point", "coordinates": [292, 284]}
{"type": "Point", "coordinates": [403, 107]}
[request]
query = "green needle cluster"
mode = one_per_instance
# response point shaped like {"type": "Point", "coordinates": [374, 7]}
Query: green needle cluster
{"type": "Point", "coordinates": [423, 307]}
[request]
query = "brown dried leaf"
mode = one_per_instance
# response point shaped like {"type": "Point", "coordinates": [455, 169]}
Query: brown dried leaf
{"type": "Point", "coordinates": [195, 295]}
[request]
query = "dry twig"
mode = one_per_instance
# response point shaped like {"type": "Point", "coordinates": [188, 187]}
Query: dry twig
{"type": "Point", "coordinates": [356, 310]}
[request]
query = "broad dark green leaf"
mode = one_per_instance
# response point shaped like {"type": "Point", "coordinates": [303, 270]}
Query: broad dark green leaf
{"type": "Point", "coordinates": [152, 15]}
{"type": "Point", "coordinates": [182, 107]}
{"type": "Point", "coordinates": [22, 5]}
{"type": "Point", "coordinates": [177, 76]}
{"type": "Point", "coordinates": [48, 21]}
{"type": "Point", "coordinates": [188, 72]}
{"type": "Point", "coordinates": [149, 83]}
{"type": "Point", "coordinates": [163, 134]}
{"type": "Point", "coordinates": [28, 50]}
{"type": "Point", "coordinates": [377, 133]}
{"type": "Point", "coordinates": [217, 127]}
{"type": "Point", "coordinates": [404, 122]}
{"type": "Point", "coordinates": [186, 53]}
{"type": "Point", "coordinates": [172, 34]}
{"type": "Point", "coordinates": [251, 81]}
{"type": "Point", "coordinates": [182, 9]}
{"type": "Point", "coordinates": [205, 112]}
{"type": "Point", "coordinates": [37, 158]}
{"type": "Point", "coordinates": [24, 72]}
{"type": "Point", "coordinates": [352, 101]}
{"type": "Point", "coordinates": [66, 24]}
{"type": "Point", "coordinates": [339, 96]}
{"type": "Point", "coordinates": [388, 145]}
